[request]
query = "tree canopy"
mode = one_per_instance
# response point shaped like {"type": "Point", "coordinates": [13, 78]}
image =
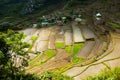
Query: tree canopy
{"type": "Point", "coordinates": [11, 49]}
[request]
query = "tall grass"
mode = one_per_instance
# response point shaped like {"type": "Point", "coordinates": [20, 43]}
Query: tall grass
{"type": "Point", "coordinates": [54, 76]}
{"type": "Point", "coordinates": [113, 74]}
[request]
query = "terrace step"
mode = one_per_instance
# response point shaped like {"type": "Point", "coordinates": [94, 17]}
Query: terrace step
{"type": "Point", "coordinates": [100, 29]}
{"type": "Point", "coordinates": [92, 70]}
{"type": "Point", "coordinates": [98, 49]}
{"type": "Point", "coordinates": [102, 49]}
{"type": "Point", "coordinates": [112, 60]}
{"type": "Point", "coordinates": [44, 34]}
{"type": "Point", "coordinates": [73, 71]}
{"type": "Point", "coordinates": [51, 43]}
{"type": "Point", "coordinates": [60, 59]}
{"type": "Point", "coordinates": [66, 27]}
{"type": "Point", "coordinates": [68, 38]}
{"type": "Point", "coordinates": [29, 32]}
{"type": "Point", "coordinates": [41, 44]}
{"type": "Point", "coordinates": [59, 37]}
{"type": "Point", "coordinates": [95, 48]}
{"type": "Point", "coordinates": [77, 35]}
{"type": "Point", "coordinates": [87, 32]}
{"type": "Point", "coordinates": [85, 51]}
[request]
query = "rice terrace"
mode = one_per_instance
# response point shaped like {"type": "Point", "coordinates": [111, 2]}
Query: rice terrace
{"type": "Point", "coordinates": [60, 40]}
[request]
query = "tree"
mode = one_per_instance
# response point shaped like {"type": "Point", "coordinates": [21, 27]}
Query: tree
{"type": "Point", "coordinates": [12, 50]}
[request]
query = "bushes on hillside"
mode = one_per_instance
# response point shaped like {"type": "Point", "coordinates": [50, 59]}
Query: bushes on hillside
{"type": "Point", "coordinates": [113, 74]}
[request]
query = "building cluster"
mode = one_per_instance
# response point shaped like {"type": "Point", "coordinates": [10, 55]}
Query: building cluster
{"type": "Point", "coordinates": [59, 19]}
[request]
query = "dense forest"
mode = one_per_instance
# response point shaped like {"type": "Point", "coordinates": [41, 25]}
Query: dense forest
{"type": "Point", "coordinates": [22, 7]}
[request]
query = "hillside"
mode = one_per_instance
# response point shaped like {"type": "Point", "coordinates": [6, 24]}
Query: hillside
{"type": "Point", "coordinates": [23, 7]}
{"type": "Point", "coordinates": [25, 12]}
{"type": "Point", "coordinates": [59, 39]}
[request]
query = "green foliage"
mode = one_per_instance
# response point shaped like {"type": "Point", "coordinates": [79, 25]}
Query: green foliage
{"type": "Point", "coordinates": [54, 76]}
{"type": "Point", "coordinates": [76, 48]}
{"type": "Point", "coordinates": [63, 69]}
{"type": "Point", "coordinates": [14, 40]}
{"type": "Point", "coordinates": [59, 44]}
{"type": "Point", "coordinates": [114, 24]}
{"type": "Point", "coordinates": [22, 76]}
{"type": "Point", "coordinates": [113, 74]}
{"type": "Point", "coordinates": [50, 53]}
{"type": "Point", "coordinates": [34, 38]}
{"type": "Point", "coordinates": [76, 59]}
{"type": "Point", "coordinates": [68, 49]}
{"type": "Point", "coordinates": [35, 59]}
{"type": "Point", "coordinates": [41, 58]}
{"type": "Point", "coordinates": [1, 55]}
{"type": "Point", "coordinates": [11, 46]}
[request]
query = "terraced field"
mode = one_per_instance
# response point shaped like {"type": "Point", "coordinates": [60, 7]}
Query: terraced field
{"type": "Point", "coordinates": [74, 50]}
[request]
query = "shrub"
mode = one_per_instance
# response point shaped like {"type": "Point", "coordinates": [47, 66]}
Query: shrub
{"type": "Point", "coordinates": [113, 74]}
{"type": "Point", "coordinates": [34, 38]}
{"type": "Point", "coordinates": [54, 76]}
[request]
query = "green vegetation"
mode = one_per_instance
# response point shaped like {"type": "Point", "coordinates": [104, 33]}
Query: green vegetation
{"type": "Point", "coordinates": [76, 48]}
{"type": "Point", "coordinates": [114, 24]}
{"type": "Point", "coordinates": [76, 59]}
{"type": "Point", "coordinates": [68, 49]}
{"type": "Point", "coordinates": [35, 59]}
{"type": "Point", "coordinates": [34, 38]}
{"type": "Point", "coordinates": [113, 74]}
{"type": "Point", "coordinates": [11, 45]}
{"type": "Point", "coordinates": [62, 69]}
{"type": "Point", "coordinates": [41, 58]}
{"type": "Point", "coordinates": [54, 76]}
{"type": "Point", "coordinates": [60, 45]}
{"type": "Point", "coordinates": [50, 53]}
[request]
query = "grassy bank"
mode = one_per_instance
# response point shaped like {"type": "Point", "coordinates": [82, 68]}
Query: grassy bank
{"type": "Point", "coordinates": [113, 74]}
